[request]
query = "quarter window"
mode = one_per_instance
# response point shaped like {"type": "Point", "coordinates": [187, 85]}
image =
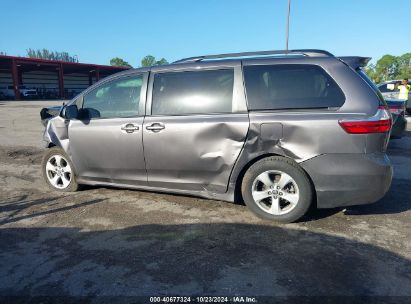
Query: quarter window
{"type": "Point", "coordinates": [290, 87]}
{"type": "Point", "coordinates": [198, 92]}
{"type": "Point", "coordinates": [116, 98]}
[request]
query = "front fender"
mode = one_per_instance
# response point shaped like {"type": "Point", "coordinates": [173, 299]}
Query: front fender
{"type": "Point", "coordinates": [56, 133]}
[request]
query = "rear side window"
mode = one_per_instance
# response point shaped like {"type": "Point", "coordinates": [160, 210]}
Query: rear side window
{"type": "Point", "coordinates": [199, 92]}
{"type": "Point", "coordinates": [290, 86]}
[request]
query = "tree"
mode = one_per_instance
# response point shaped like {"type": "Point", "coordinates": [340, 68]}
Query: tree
{"type": "Point", "coordinates": [162, 61]}
{"type": "Point", "coordinates": [3, 53]}
{"type": "Point", "coordinates": [390, 67]}
{"type": "Point", "coordinates": [386, 67]}
{"type": "Point", "coordinates": [119, 62]}
{"type": "Point", "coordinates": [404, 66]}
{"type": "Point", "coordinates": [370, 71]}
{"type": "Point", "coordinates": [150, 60]}
{"type": "Point", "coordinates": [51, 55]}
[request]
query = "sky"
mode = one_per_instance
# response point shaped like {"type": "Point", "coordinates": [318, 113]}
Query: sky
{"type": "Point", "coordinates": [97, 31]}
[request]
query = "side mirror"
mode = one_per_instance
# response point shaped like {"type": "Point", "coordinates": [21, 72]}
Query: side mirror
{"type": "Point", "coordinates": [71, 112]}
{"type": "Point", "coordinates": [88, 114]}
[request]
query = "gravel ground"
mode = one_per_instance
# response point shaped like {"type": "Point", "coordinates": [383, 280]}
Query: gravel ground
{"type": "Point", "coordinates": [113, 242]}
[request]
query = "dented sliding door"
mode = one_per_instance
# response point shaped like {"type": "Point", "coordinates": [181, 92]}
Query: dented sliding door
{"type": "Point", "coordinates": [195, 128]}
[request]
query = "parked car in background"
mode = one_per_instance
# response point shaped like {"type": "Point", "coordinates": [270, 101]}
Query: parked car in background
{"type": "Point", "coordinates": [389, 89]}
{"type": "Point", "coordinates": [7, 92]}
{"type": "Point", "coordinates": [279, 130]}
{"type": "Point", "coordinates": [25, 92]}
{"type": "Point", "coordinates": [28, 93]}
{"type": "Point", "coordinates": [397, 109]}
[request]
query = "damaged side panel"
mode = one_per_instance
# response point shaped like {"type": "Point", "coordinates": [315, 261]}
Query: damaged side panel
{"type": "Point", "coordinates": [297, 135]}
{"type": "Point", "coordinates": [194, 153]}
{"type": "Point", "coordinates": [56, 133]}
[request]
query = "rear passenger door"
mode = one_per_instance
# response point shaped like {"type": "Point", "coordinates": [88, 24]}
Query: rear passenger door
{"type": "Point", "coordinates": [195, 127]}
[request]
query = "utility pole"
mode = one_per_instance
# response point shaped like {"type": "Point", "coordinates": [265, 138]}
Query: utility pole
{"type": "Point", "coordinates": [287, 26]}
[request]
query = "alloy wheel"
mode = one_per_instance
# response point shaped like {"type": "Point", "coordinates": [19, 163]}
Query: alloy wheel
{"type": "Point", "coordinates": [58, 172]}
{"type": "Point", "coordinates": [275, 192]}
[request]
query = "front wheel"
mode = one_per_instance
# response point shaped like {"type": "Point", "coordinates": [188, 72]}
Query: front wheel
{"type": "Point", "coordinates": [58, 171]}
{"type": "Point", "coordinates": [276, 188]}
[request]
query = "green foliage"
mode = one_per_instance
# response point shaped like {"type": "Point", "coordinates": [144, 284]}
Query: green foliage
{"type": "Point", "coordinates": [162, 61]}
{"type": "Point", "coordinates": [390, 67]}
{"type": "Point", "coordinates": [404, 66]}
{"type": "Point", "coordinates": [119, 62]}
{"type": "Point", "coordinates": [150, 60]}
{"type": "Point", "coordinates": [51, 55]}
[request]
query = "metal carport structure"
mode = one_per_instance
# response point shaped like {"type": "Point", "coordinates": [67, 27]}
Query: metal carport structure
{"type": "Point", "coordinates": [13, 71]}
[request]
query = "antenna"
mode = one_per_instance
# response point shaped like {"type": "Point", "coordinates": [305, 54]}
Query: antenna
{"type": "Point", "coordinates": [287, 25]}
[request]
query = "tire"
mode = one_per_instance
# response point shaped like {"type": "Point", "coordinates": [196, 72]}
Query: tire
{"type": "Point", "coordinates": [292, 199]}
{"type": "Point", "coordinates": [65, 179]}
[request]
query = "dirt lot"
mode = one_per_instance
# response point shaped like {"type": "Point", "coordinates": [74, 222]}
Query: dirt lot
{"type": "Point", "coordinates": [114, 242]}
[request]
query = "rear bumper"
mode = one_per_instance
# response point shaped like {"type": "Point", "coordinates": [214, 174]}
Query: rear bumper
{"type": "Point", "coordinates": [349, 179]}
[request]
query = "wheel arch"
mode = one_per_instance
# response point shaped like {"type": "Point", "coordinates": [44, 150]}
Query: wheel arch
{"type": "Point", "coordinates": [237, 190]}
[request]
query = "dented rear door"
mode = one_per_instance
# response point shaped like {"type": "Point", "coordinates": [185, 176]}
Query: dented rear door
{"type": "Point", "coordinates": [196, 127]}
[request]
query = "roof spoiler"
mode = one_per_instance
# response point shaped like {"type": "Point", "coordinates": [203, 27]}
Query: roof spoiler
{"type": "Point", "coordinates": [355, 62]}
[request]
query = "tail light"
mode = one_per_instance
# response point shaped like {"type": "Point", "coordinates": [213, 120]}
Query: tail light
{"type": "Point", "coordinates": [381, 122]}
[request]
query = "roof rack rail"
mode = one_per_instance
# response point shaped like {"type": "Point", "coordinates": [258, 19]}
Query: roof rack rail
{"type": "Point", "coordinates": [305, 52]}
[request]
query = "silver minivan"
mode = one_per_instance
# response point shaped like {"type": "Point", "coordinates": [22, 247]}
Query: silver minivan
{"type": "Point", "coordinates": [278, 130]}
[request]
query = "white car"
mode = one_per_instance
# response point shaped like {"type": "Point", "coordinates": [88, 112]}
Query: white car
{"type": "Point", "coordinates": [389, 89]}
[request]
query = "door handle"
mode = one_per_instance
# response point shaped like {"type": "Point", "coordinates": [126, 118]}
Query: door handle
{"type": "Point", "coordinates": [129, 128]}
{"type": "Point", "coordinates": [155, 127]}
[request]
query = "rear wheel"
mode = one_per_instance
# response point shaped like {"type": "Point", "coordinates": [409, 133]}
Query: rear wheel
{"type": "Point", "coordinates": [58, 171]}
{"type": "Point", "coordinates": [276, 188]}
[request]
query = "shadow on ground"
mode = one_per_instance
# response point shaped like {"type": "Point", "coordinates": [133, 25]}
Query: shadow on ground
{"type": "Point", "coordinates": [44, 206]}
{"type": "Point", "coordinates": [211, 259]}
